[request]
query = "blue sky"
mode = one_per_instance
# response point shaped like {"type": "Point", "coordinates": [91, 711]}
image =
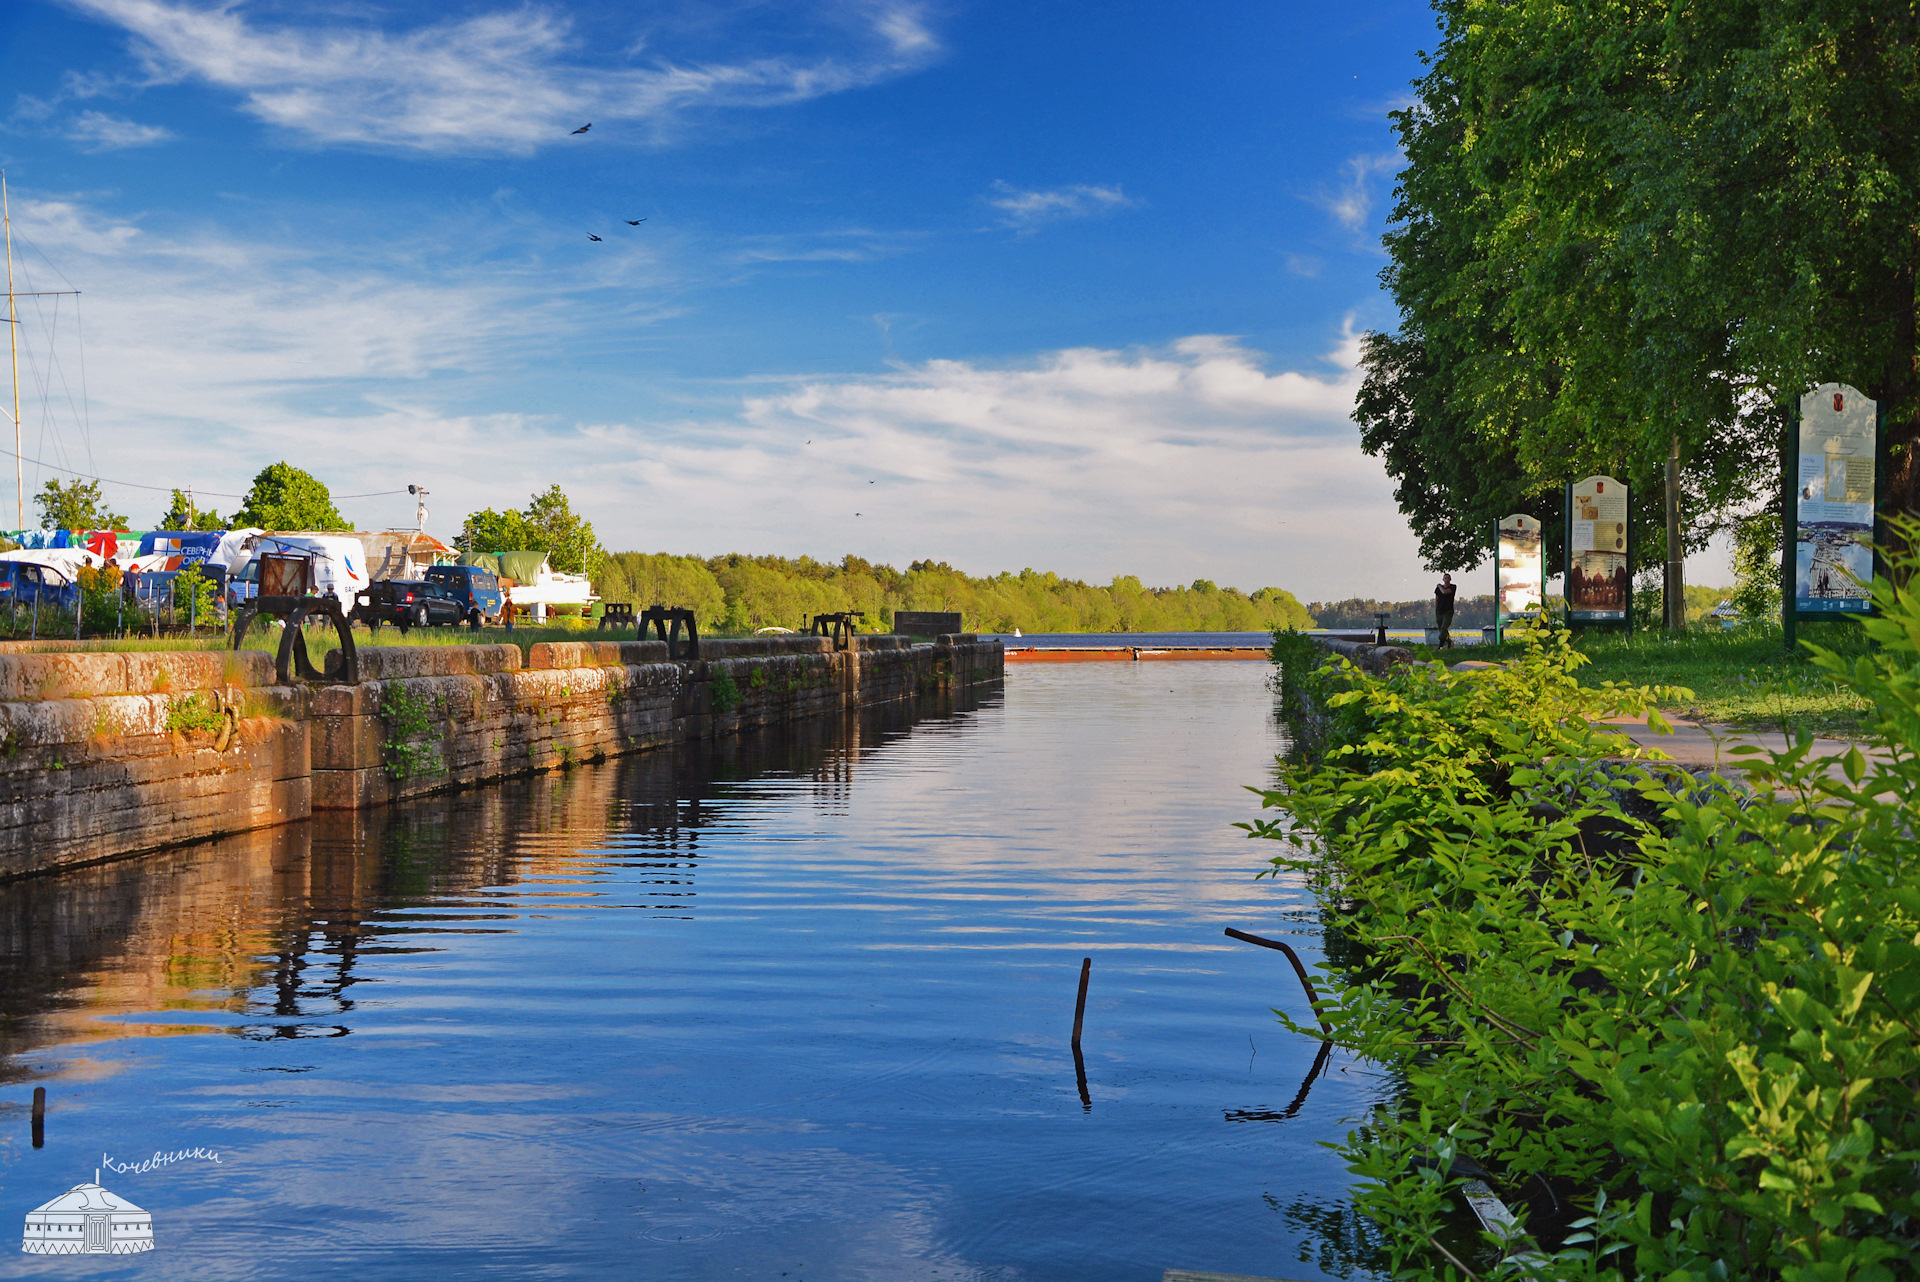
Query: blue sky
{"type": "Point", "coordinates": [1073, 286]}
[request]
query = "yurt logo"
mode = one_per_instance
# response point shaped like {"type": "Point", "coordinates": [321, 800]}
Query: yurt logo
{"type": "Point", "coordinates": [88, 1220]}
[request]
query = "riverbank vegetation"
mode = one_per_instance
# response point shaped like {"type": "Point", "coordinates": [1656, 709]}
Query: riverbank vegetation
{"type": "Point", "coordinates": [738, 593]}
{"type": "Point", "coordinates": [1673, 1021]}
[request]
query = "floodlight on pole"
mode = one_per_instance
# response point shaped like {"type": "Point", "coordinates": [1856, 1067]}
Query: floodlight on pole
{"type": "Point", "coordinates": [419, 493]}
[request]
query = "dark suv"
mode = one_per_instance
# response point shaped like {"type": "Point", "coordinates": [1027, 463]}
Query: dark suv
{"type": "Point", "coordinates": [477, 591]}
{"type": "Point", "coordinates": [406, 603]}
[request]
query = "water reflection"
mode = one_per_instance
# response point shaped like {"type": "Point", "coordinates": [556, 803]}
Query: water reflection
{"type": "Point", "coordinates": [787, 1006]}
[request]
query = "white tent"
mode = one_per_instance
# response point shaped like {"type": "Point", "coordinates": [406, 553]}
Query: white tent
{"type": "Point", "coordinates": [87, 1220]}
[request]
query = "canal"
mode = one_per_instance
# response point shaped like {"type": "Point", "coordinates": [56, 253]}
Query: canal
{"type": "Point", "coordinates": [791, 1006]}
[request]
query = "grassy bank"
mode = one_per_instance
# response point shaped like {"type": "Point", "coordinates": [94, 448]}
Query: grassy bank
{"type": "Point", "coordinates": [1744, 678]}
{"type": "Point", "coordinates": [321, 640]}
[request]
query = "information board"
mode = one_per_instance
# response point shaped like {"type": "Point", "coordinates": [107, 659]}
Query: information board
{"type": "Point", "coordinates": [1599, 576]}
{"type": "Point", "coordinates": [1517, 568]}
{"type": "Point", "coordinates": [1833, 502]}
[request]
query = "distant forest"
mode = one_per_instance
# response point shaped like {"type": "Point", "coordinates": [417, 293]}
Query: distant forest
{"type": "Point", "coordinates": [738, 593]}
{"type": "Point", "coordinates": [1358, 613]}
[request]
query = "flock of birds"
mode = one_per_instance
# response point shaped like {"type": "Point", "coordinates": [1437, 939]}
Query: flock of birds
{"type": "Point", "coordinates": [635, 222]}
{"type": "Point", "coordinates": [631, 222]}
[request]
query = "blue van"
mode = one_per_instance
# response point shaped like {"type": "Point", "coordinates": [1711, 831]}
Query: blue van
{"type": "Point", "coordinates": [476, 589]}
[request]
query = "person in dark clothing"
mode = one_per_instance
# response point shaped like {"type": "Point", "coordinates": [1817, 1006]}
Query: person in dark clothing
{"type": "Point", "coordinates": [1443, 609]}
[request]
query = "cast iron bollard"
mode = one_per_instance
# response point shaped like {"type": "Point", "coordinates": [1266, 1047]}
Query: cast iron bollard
{"type": "Point", "coordinates": [660, 617]}
{"type": "Point", "coordinates": [838, 626]}
{"type": "Point", "coordinates": [342, 667]}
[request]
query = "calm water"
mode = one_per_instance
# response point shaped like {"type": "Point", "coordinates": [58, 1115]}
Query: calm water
{"type": "Point", "coordinates": [795, 1008]}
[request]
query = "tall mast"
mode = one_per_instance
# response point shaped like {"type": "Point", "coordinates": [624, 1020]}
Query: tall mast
{"type": "Point", "coordinates": [13, 343]}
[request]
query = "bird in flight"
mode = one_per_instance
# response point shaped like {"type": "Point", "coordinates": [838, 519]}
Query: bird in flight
{"type": "Point", "coordinates": [635, 222]}
{"type": "Point", "coordinates": [583, 128]}
{"type": "Point", "coordinates": [591, 236]}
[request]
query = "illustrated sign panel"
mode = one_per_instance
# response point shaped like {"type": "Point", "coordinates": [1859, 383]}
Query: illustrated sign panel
{"type": "Point", "coordinates": [1598, 583]}
{"type": "Point", "coordinates": [1833, 553]}
{"type": "Point", "coordinates": [1517, 566]}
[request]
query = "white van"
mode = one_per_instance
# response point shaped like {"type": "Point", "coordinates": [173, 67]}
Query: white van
{"type": "Point", "coordinates": [337, 563]}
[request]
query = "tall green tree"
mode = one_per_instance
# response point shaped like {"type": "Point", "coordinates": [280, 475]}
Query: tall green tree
{"type": "Point", "coordinates": [183, 514]}
{"type": "Point", "coordinates": [547, 524]}
{"type": "Point", "coordinates": [1623, 222]}
{"type": "Point", "coordinates": [75, 505]}
{"type": "Point", "coordinates": [283, 497]}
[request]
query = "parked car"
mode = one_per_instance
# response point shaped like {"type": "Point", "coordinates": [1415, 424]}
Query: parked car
{"type": "Point", "coordinates": [475, 588]}
{"type": "Point", "coordinates": [407, 603]}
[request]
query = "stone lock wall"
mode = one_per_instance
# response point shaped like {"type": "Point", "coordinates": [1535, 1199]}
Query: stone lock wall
{"type": "Point", "coordinates": [103, 755]}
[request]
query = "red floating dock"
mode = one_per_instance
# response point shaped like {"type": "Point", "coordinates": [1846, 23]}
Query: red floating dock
{"type": "Point", "coordinates": [1129, 654]}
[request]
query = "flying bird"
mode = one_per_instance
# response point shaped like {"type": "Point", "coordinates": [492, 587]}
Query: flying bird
{"type": "Point", "coordinates": [583, 128]}
{"type": "Point", "coordinates": [591, 236]}
{"type": "Point", "coordinates": [635, 222]}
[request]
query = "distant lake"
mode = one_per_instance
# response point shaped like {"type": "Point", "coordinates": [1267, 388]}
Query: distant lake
{"type": "Point", "coordinates": [789, 1006]}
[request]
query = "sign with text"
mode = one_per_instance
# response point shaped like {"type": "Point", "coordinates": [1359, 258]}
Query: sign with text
{"type": "Point", "coordinates": [1833, 502]}
{"type": "Point", "coordinates": [1599, 578]}
{"type": "Point", "coordinates": [1517, 568]}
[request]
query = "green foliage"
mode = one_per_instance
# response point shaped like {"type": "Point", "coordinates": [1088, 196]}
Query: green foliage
{"type": "Point", "coordinates": [189, 713]}
{"type": "Point", "coordinates": [183, 514]}
{"type": "Point", "coordinates": [409, 717]}
{"type": "Point", "coordinates": [282, 497]}
{"type": "Point", "coordinates": [726, 692]}
{"type": "Point", "coordinates": [547, 524]}
{"type": "Point", "coordinates": [1619, 223]}
{"type": "Point", "coordinates": [1692, 1009]}
{"type": "Point", "coordinates": [75, 505]}
{"type": "Point", "coordinates": [193, 596]}
{"type": "Point", "coordinates": [739, 593]}
{"type": "Point", "coordinates": [643, 579]}
{"type": "Point", "coordinates": [1756, 568]}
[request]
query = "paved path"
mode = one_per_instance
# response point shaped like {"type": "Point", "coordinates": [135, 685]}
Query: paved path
{"type": "Point", "coordinates": [1695, 744]}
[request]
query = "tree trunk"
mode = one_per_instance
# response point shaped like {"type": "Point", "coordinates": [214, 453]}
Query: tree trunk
{"type": "Point", "coordinates": [1674, 595]}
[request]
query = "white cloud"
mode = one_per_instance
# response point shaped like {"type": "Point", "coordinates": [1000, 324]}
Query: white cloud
{"type": "Point", "coordinates": [211, 356]}
{"type": "Point", "coordinates": [507, 81]}
{"type": "Point", "coordinates": [1351, 203]}
{"type": "Point", "coordinates": [1025, 209]}
{"type": "Point", "coordinates": [101, 132]}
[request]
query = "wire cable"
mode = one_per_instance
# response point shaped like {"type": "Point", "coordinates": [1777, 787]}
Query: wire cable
{"type": "Point", "coordinates": [159, 489]}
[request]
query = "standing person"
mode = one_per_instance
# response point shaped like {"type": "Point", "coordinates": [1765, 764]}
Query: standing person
{"type": "Point", "coordinates": [1443, 609]}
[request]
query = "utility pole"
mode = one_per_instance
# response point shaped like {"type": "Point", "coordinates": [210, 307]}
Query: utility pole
{"type": "Point", "coordinates": [13, 342]}
{"type": "Point", "coordinates": [1674, 597]}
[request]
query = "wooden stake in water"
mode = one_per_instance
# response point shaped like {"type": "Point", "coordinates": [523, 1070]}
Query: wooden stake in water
{"type": "Point", "coordinates": [1079, 1017]}
{"type": "Point", "coordinates": [39, 1117]}
{"type": "Point", "coordinates": [1080, 1006]}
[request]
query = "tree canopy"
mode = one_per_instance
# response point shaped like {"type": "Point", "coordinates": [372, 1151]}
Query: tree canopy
{"type": "Point", "coordinates": [75, 505]}
{"type": "Point", "coordinates": [183, 514]}
{"type": "Point", "coordinates": [547, 524]}
{"type": "Point", "coordinates": [1622, 223]}
{"type": "Point", "coordinates": [283, 497]}
{"type": "Point", "coordinates": [737, 593]}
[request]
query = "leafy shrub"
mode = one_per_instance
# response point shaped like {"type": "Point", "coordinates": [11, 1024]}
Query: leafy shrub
{"type": "Point", "coordinates": [1684, 1013]}
{"type": "Point", "coordinates": [408, 718]}
{"type": "Point", "coordinates": [726, 693]}
{"type": "Point", "coordinates": [189, 713]}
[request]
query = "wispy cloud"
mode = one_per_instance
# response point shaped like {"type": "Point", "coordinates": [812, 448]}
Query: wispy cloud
{"type": "Point", "coordinates": [97, 131]}
{"type": "Point", "coordinates": [510, 81]}
{"type": "Point", "coordinates": [375, 364]}
{"type": "Point", "coordinates": [1351, 201]}
{"type": "Point", "coordinates": [1025, 209]}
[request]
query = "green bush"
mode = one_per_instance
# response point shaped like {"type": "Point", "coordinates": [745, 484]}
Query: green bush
{"type": "Point", "coordinates": [1686, 1009]}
